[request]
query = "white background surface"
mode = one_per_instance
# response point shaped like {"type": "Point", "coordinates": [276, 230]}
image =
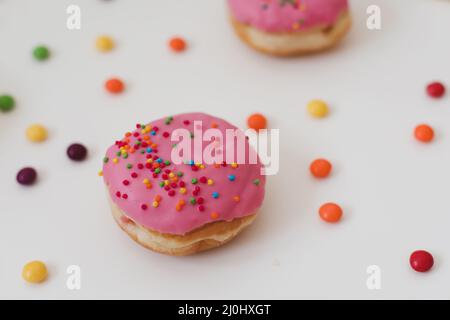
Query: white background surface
{"type": "Point", "coordinates": [394, 190]}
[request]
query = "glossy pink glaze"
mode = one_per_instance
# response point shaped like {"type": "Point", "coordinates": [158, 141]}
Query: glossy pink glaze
{"type": "Point", "coordinates": [165, 218]}
{"type": "Point", "coordinates": [295, 15]}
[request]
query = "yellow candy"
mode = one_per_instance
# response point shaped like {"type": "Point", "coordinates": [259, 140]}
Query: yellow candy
{"type": "Point", "coordinates": [100, 173]}
{"type": "Point", "coordinates": [36, 133]}
{"type": "Point", "coordinates": [182, 190]}
{"type": "Point", "coordinates": [317, 108]}
{"type": "Point", "coordinates": [104, 43]}
{"type": "Point", "coordinates": [34, 272]}
{"type": "Point", "coordinates": [210, 182]}
{"type": "Point", "coordinates": [155, 204]}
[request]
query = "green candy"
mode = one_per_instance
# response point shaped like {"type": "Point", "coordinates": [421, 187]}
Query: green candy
{"type": "Point", "coordinates": [41, 53]}
{"type": "Point", "coordinates": [7, 103]}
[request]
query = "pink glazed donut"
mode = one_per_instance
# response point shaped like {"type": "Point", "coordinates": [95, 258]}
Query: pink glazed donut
{"type": "Point", "coordinates": [178, 206]}
{"type": "Point", "coordinates": [290, 27]}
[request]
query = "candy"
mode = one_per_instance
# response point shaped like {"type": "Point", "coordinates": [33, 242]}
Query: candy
{"type": "Point", "coordinates": [7, 103]}
{"type": "Point", "coordinates": [424, 133]}
{"type": "Point", "coordinates": [114, 85]}
{"type": "Point", "coordinates": [317, 108]}
{"type": "Point", "coordinates": [320, 168]}
{"type": "Point", "coordinates": [41, 53]}
{"type": "Point", "coordinates": [76, 152]}
{"type": "Point", "coordinates": [330, 212]}
{"type": "Point", "coordinates": [34, 272]}
{"type": "Point", "coordinates": [36, 133]}
{"type": "Point", "coordinates": [177, 44]}
{"type": "Point", "coordinates": [435, 89]}
{"type": "Point", "coordinates": [421, 261]}
{"type": "Point", "coordinates": [257, 122]}
{"type": "Point", "coordinates": [26, 176]}
{"type": "Point", "coordinates": [104, 44]}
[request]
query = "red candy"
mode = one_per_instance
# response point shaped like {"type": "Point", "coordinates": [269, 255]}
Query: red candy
{"type": "Point", "coordinates": [435, 89]}
{"type": "Point", "coordinates": [421, 261]}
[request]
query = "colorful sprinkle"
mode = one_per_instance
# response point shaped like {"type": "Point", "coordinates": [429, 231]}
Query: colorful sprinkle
{"type": "Point", "coordinates": [231, 177]}
{"type": "Point", "coordinates": [214, 215]}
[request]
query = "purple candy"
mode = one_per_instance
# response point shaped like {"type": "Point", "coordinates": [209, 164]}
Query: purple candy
{"type": "Point", "coordinates": [26, 176]}
{"type": "Point", "coordinates": [76, 152]}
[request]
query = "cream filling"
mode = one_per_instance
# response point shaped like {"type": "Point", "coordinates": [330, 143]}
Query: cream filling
{"type": "Point", "coordinates": [155, 239]}
{"type": "Point", "coordinates": [298, 41]}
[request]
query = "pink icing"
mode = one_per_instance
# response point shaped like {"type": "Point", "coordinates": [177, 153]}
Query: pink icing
{"type": "Point", "coordinates": [132, 196]}
{"type": "Point", "coordinates": [287, 15]}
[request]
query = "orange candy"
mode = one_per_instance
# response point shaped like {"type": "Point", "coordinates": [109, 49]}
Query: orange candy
{"type": "Point", "coordinates": [320, 168]}
{"type": "Point", "coordinates": [257, 122]}
{"type": "Point", "coordinates": [114, 85]}
{"type": "Point", "coordinates": [330, 212]}
{"type": "Point", "coordinates": [424, 133]}
{"type": "Point", "coordinates": [177, 44]}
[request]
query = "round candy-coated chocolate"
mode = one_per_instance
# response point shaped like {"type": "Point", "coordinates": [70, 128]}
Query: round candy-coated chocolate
{"type": "Point", "coordinates": [77, 152]}
{"type": "Point", "coordinates": [421, 260]}
{"type": "Point", "coordinates": [6, 103]}
{"type": "Point", "coordinates": [41, 53]}
{"type": "Point", "coordinates": [435, 90]}
{"type": "Point", "coordinates": [26, 176]}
